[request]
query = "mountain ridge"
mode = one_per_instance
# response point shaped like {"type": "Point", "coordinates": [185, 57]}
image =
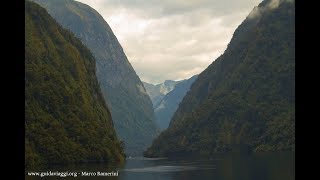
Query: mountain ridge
{"type": "Point", "coordinates": [158, 91]}
{"type": "Point", "coordinates": [165, 109]}
{"type": "Point", "coordinates": [66, 118]}
{"type": "Point", "coordinates": [130, 106]}
{"type": "Point", "coordinates": [245, 98]}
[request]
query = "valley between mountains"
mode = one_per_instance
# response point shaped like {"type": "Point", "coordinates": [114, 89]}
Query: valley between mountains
{"type": "Point", "coordinates": [85, 102]}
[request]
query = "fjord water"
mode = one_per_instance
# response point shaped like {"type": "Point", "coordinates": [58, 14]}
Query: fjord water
{"type": "Point", "coordinates": [260, 166]}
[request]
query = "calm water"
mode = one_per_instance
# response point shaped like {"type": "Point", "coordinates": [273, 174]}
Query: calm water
{"type": "Point", "coordinates": [266, 166]}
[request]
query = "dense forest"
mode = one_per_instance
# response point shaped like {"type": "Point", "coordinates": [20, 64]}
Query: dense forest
{"type": "Point", "coordinates": [66, 117]}
{"type": "Point", "coordinates": [130, 105]}
{"type": "Point", "coordinates": [245, 100]}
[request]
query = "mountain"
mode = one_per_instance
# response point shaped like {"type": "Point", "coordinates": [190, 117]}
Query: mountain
{"type": "Point", "coordinates": [157, 92]}
{"type": "Point", "coordinates": [130, 105]}
{"type": "Point", "coordinates": [165, 109]}
{"type": "Point", "coordinates": [245, 100]}
{"type": "Point", "coordinates": [66, 117]}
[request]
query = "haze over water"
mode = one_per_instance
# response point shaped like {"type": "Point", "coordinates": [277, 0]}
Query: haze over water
{"type": "Point", "coordinates": [261, 166]}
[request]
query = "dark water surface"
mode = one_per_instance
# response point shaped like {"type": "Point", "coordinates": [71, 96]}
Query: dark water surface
{"type": "Point", "coordinates": [262, 166]}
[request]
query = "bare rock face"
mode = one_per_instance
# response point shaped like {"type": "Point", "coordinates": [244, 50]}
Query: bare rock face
{"type": "Point", "coordinates": [158, 91]}
{"type": "Point", "coordinates": [165, 109]}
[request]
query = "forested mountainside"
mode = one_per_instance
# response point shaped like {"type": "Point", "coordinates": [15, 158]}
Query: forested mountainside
{"type": "Point", "coordinates": [66, 117]}
{"type": "Point", "coordinates": [246, 97]}
{"type": "Point", "coordinates": [130, 105]}
{"type": "Point", "coordinates": [165, 109]}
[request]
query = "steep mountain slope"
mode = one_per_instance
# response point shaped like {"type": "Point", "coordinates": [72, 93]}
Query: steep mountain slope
{"type": "Point", "coordinates": [66, 118]}
{"type": "Point", "coordinates": [157, 92]}
{"type": "Point", "coordinates": [165, 109]}
{"type": "Point", "coordinates": [244, 99]}
{"type": "Point", "coordinates": [130, 105]}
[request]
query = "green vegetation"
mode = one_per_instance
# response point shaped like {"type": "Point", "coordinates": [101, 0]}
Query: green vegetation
{"type": "Point", "coordinates": [245, 100]}
{"type": "Point", "coordinates": [130, 106]}
{"type": "Point", "coordinates": [66, 118]}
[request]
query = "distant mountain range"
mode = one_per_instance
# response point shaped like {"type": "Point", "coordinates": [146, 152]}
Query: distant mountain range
{"type": "Point", "coordinates": [166, 97]}
{"type": "Point", "coordinates": [245, 100]}
{"type": "Point", "coordinates": [165, 109]}
{"type": "Point", "coordinates": [130, 105]}
{"type": "Point", "coordinates": [66, 117]}
{"type": "Point", "coordinates": [157, 92]}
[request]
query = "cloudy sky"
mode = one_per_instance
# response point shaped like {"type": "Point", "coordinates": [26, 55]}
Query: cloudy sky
{"type": "Point", "coordinates": [172, 39]}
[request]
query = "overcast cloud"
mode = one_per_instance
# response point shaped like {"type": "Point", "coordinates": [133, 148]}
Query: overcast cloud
{"type": "Point", "coordinates": [172, 39]}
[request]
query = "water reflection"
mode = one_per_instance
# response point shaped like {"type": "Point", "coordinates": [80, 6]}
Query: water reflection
{"type": "Point", "coordinates": [265, 166]}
